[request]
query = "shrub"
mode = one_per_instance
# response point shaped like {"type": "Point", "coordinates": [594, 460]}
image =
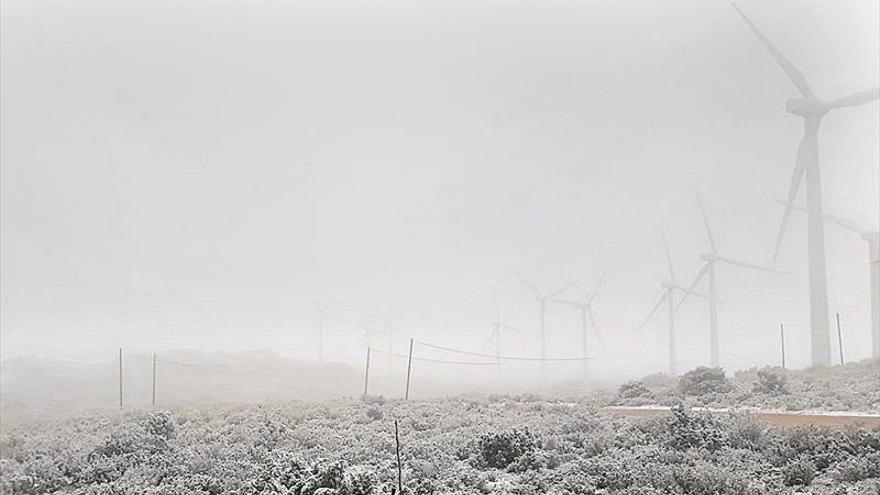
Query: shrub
{"type": "Point", "coordinates": [858, 468]}
{"type": "Point", "coordinates": [771, 383]}
{"type": "Point", "coordinates": [705, 479]}
{"type": "Point", "coordinates": [703, 380]}
{"type": "Point", "coordinates": [374, 413]}
{"type": "Point", "coordinates": [799, 472]}
{"type": "Point", "coordinates": [695, 430]}
{"type": "Point", "coordinates": [501, 449]}
{"type": "Point", "coordinates": [633, 390]}
{"type": "Point", "coordinates": [160, 424]}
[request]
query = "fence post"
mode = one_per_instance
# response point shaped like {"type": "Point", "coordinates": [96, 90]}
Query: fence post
{"type": "Point", "coordinates": [120, 378]}
{"type": "Point", "coordinates": [399, 468]}
{"type": "Point", "coordinates": [839, 338]}
{"type": "Point", "coordinates": [782, 341]}
{"type": "Point", "coordinates": [408, 369]}
{"type": "Point", "coordinates": [367, 373]}
{"type": "Point", "coordinates": [154, 379]}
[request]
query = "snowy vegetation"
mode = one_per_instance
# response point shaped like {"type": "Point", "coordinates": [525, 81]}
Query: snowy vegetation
{"type": "Point", "coordinates": [517, 445]}
{"type": "Point", "coordinates": [851, 387]}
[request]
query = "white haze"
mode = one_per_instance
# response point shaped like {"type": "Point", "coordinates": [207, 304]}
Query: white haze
{"type": "Point", "coordinates": [200, 175]}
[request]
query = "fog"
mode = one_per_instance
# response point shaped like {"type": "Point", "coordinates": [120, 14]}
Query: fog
{"type": "Point", "coordinates": [187, 178]}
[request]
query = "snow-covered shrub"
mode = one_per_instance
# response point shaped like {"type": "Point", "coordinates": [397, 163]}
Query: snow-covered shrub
{"type": "Point", "coordinates": [633, 389]}
{"type": "Point", "coordinates": [374, 413]}
{"type": "Point", "coordinates": [770, 382]}
{"type": "Point", "coordinates": [799, 472]}
{"type": "Point", "coordinates": [501, 449]}
{"type": "Point", "coordinates": [160, 424]}
{"type": "Point", "coordinates": [857, 468]}
{"type": "Point", "coordinates": [704, 380]}
{"type": "Point", "coordinates": [695, 430]}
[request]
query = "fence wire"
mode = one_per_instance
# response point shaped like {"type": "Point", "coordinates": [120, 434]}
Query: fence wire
{"type": "Point", "coordinates": [439, 361]}
{"type": "Point", "coordinates": [494, 356]}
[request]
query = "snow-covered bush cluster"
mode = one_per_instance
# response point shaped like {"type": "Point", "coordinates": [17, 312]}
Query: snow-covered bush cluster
{"type": "Point", "coordinates": [461, 445]}
{"type": "Point", "coordinates": [851, 387]}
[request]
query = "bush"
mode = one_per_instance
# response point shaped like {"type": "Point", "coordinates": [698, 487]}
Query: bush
{"type": "Point", "coordinates": [703, 380]}
{"type": "Point", "coordinates": [771, 383]}
{"type": "Point", "coordinates": [695, 431]}
{"type": "Point", "coordinates": [374, 413]}
{"type": "Point", "coordinates": [501, 449]}
{"type": "Point", "coordinates": [858, 468]}
{"type": "Point", "coordinates": [160, 424]}
{"type": "Point", "coordinates": [799, 472]}
{"type": "Point", "coordinates": [633, 390]}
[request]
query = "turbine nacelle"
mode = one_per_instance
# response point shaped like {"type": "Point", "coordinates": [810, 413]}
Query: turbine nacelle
{"type": "Point", "coordinates": [709, 257]}
{"type": "Point", "coordinates": [806, 107]}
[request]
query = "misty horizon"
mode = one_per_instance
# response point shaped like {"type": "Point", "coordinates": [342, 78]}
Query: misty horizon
{"type": "Point", "coordinates": [177, 177]}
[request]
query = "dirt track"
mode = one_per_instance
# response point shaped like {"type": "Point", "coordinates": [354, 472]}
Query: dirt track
{"type": "Point", "coordinates": [783, 419]}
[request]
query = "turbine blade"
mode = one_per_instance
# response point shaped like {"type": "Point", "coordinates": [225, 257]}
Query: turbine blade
{"type": "Point", "coordinates": [706, 223]}
{"type": "Point", "coordinates": [596, 328]}
{"type": "Point", "coordinates": [794, 185]}
{"type": "Point", "coordinates": [691, 292]}
{"type": "Point", "coordinates": [596, 289]}
{"type": "Point", "coordinates": [561, 289]}
{"type": "Point", "coordinates": [856, 98]}
{"type": "Point", "coordinates": [668, 256]}
{"type": "Point", "coordinates": [840, 222]}
{"type": "Point", "coordinates": [702, 273]}
{"type": "Point", "coordinates": [663, 299]}
{"type": "Point", "coordinates": [745, 264]}
{"type": "Point", "coordinates": [790, 69]}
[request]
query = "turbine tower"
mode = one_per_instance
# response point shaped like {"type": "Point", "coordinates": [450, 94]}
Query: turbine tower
{"type": "Point", "coordinates": [585, 307]}
{"type": "Point", "coordinates": [812, 110]}
{"type": "Point", "coordinates": [542, 298]}
{"type": "Point", "coordinates": [872, 238]}
{"type": "Point", "coordinates": [710, 260]}
{"type": "Point", "coordinates": [669, 287]}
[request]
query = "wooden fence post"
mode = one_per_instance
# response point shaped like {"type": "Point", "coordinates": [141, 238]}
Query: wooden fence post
{"type": "Point", "coordinates": [408, 369]}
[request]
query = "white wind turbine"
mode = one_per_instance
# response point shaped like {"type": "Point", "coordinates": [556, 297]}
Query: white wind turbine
{"type": "Point", "coordinates": [499, 326]}
{"type": "Point", "coordinates": [585, 308]}
{"type": "Point", "coordinates": [710, 259]}
{"type": "Point", "coordinates": [669, 287]}
{"type": "Point", "coordinates": [872, 238]}
{"type": "Point", "coordinates": [543, 298]}
{"type": "Point", "coordinates": [812, 110]}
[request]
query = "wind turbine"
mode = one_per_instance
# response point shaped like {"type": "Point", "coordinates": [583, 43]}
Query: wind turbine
{"type": "Point", "coordinates": [873, 240]}
{"type": "Point", "coordinates": [498, 327]}
{"type": "Point", "coordinates": [585, 308]}
{"type": "Point", "coordinates": [710, 260]}
{"type": "Point", "coordinates": [542, 298]}
{"type": "Point", "coordinates": [669, 287]}
{"type": "Point", "coordinates": [812, 110]}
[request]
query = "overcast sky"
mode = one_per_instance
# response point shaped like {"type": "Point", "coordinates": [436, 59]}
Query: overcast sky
{"type": "Point", "coordinates": [201, 174]}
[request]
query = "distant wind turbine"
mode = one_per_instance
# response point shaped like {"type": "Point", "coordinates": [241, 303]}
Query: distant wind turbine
{"type": "Point", "coordinates": [499, 327]}
{"type": "Point", "coordinates": [669, 287]}
{"type": "Point", "coordinates": [812, 110]}
{"type": "Point", "coordinates": [710, 259]}
{"type": "Point", "coordinates": [542, 298]}
{"type": "Point", "coordinates": [872, 237]}
{"type": "Point", "coordinates": [585, 307]}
